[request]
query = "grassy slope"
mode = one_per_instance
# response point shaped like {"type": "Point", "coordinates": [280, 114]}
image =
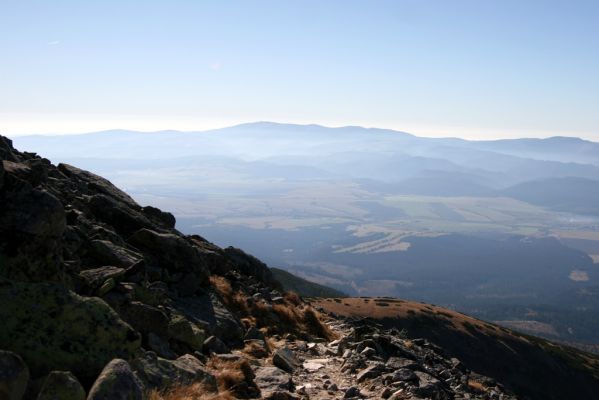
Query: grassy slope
{"type": "Point", "coordinates": [302, 286]}
{"type": "Point", "coordinates": [532, 367]}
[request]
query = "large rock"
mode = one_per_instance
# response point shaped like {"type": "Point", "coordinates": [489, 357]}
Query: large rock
{"type": "Point", "coordinates": [173, 253]}
{"type": "Point", "coordinates": [285, 359]}
{"type": "Point", "coordinates": [61, 385]}
{"type": "Point", "coordinates": [97, 184]}
{"type": "Point", "coordinates": [52, 328]}
{"type": "Point", "coordinates": [116, 382]}
{"type": "Point", "coordinates": [158, 373]}
{"type": "Point", "coordinates": [270, 379]}
{"type": "Point", "coordinates": [32, 222]}
{"type": "Point", "coordinates": [208, 311]}
{"type": "Point", "coordinates": [14, 376]}
{"type": "Point", "coordinates": [145, 319]}
{"type": "Point", "coordinates": [125, 219]}
{"type": "Point", "coordinates": [188, 333]}
{"type": "Point", "coordinates": [251, 266]}
{"type": "Point", "coordinates": [104, 252]}
{"type": "Point", "coordinates": [94, 278]}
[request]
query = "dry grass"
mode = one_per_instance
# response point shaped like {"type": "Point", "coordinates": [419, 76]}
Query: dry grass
{"type": "Point", "coordinates": [292, 316]}
{"type": "Point", "coordinates": [196, 391]}
{"type": "Point", "coordinates": [476, 386]}
{"type": "Point", "coordinates": [233, 376]}
{"type": "Point", "coordinates": [254, 350]}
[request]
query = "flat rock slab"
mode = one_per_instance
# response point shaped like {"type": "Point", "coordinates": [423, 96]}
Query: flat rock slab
{"type": "Point", "coordinates": [316, 364]}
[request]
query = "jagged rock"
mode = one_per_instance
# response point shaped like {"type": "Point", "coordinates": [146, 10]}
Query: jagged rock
{"type": "Point", "coordinates": [208, 311]}
{"type": "Point", "coordinates": [116, 382]}
{"type": "Point", "coordinates": [404, 374]}
{"type": "Point", "coordinates": [32, 222]}
{"type": "Point", "coordinates": [158, 373]}
{"type": "Point", "coordinates": [430, 387]}
{"type": "Point", "coordinates": [172, 252]}
{"type": "Point", "coordinates": [165, 219]}
{"type": "Point", "coordinates": [160, 346]}
{"type": "Point", "coordinates": [61, 385]}
{"type": "Point", "coordinates": [394, 363]}
{"type": "Point", "coordinates": [250, 265]}
{"type": "Point", "coordinates": [215, 345]}
{"type": "Point", "coordinates": [104, 252]}
{"type": "Point", "coordinates": [271, 379]}
{"type": "Point", "coordinates": [14, 375]}
{"type": "Point", "coordinates": [145, 319]}
{"type": "Point", "coordinates": [53, 328]}
{"type": "Point", "coordinates": [94, 278]}
{"type": "Point", "coordinates": [122, 216]}
{"type": "Point", "coordinates": [285, 359]}
{"type": "Point", "coordinates": [352, 392]}
{"type": "Point", "coordinates": [368, 352]}
{"type": "Point", "coordinates": [97, 184]}
{"type": "Point", "coordinates": [254, 333]}
{"type": "Point", "coordinates": [371, 372]}
{"type": "Point", "coordinates": [188, 333]}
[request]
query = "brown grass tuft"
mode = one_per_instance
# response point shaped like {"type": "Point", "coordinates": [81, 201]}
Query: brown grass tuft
{"type": "Point", "coordinates": [234, 377]}
{"type": "Point", "coordinates": [196, 391]}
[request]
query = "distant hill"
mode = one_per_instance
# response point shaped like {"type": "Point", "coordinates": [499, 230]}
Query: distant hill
{"type": "Point", "coordinates": [569, 194]}
{"type": "Point", "coordinates": [302, 286]}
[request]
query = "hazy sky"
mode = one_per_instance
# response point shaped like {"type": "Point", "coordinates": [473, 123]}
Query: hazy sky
{"type": "Point", "coordinates": [462, 68]}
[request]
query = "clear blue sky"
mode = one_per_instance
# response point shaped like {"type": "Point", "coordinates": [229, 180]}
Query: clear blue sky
{"type": "Point", "coordinates": [464, 68]}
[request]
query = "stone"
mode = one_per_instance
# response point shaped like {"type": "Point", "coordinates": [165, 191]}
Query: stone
{"type": "Point", "coordinates": [188, 333]}
{"type": "Point", "coordinates": [171, 252]}
{"type": "Point", "coordinates": [429, 386]}
{"type": "Point", "coordinates": [404, 374]}
{"type": "Point", "coordinates": [368, 352]}
{"type": "Point", "coordinates": [53, 328]}
{"type": "Point", "coordinates": [61, 385]}
{"type": "Point", "coordinates": [116, 382]}
{"type": "Point", "coordinates": [254, 333]}
{"type": "Point", "coordinates": [104, 252]}
{"type": "Point", "coordinates": [32, 222]}
{"type": "Point", "coordinates": [159, 373]}
{"type": "Point", "coordinates": [352, 392]}
{"type": "Point", "coordinates": [165, 219]}
{"type": "Point", "coordinates": [214, 345]}
{"type": "Point", "coordinates": [315, 365]}
{"type": "Point", "coordinates": [160, 346]}
{"type": "Point", "coordinates": [145, 319]}
{"type": "Point", "coordinates": [371, 372]}
{"type": "Point", "coordinates": [97, 184]}
{"type": "Point", "coordinates": [285, 359]}
{"type": "Point", "coordinates": [272, 379]}
{"type": "Point", "coordinates": [95, 278]}
{"type": "Point", "coordinates": [394, 363]}
{"type": "Point", "coordinates": [207, 310]}
{"type": "Point", "coordinates": [123, 218]}
{"type": "Point", "coordinates": [14, 376]}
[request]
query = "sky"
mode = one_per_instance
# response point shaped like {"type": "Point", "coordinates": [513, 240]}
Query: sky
{"type": "Point", "coordinates": [467, 68]}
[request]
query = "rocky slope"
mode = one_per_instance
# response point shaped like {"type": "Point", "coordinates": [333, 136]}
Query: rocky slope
{"type": "Point", "coordinates": [101, 298]}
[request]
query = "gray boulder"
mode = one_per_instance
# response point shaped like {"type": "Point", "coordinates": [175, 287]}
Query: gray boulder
{"type": "Point", "coordinates": [116, 382]}
{"type": "Point", "coordinates": [14, 376]}
{"type": "Point", "coordinates": [61, 385]}
{"type": "Point", "coordinates": [285, 359]}
{"type": "Point", "coordinates": [158, 373]}
{"type": "Point", "coordinates": [53, 328]}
